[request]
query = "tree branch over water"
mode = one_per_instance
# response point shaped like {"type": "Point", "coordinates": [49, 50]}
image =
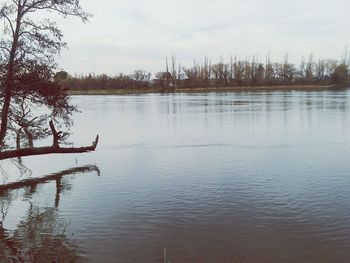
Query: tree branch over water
{"type": "Point", "coordinates": [54, 149]}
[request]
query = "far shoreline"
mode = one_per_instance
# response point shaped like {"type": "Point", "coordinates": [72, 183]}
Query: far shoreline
{"type": "Point", "coordinates": [129, 91]}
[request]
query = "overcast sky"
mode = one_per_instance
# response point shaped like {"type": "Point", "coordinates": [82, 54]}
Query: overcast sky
{"type": "Point", "coordinates": [125, 35]}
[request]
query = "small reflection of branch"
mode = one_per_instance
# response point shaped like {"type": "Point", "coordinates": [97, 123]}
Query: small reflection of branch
{"type": "Point", "coordinates": [4, 174]}
{"type": "Point", "coordinates": [55, 176]}
{"type": "Point", "coordinates": [21, 167]}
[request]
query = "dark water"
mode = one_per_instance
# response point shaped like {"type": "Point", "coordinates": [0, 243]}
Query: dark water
{"type": "Point", "coordinates": [222, 177]}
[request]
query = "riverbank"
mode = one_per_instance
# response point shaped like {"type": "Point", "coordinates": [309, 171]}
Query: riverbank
{"type": "Point", "coordinates": [127, 91]}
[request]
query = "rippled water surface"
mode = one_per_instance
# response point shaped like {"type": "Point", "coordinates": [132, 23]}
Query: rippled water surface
{"type": "Point", "coordinates": [219, 177]}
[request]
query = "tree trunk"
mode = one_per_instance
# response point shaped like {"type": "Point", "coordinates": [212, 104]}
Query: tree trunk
{"type": "Point", "coordinates": [9, 82]}
{"type": "Point", "coordinates": [4, 115]}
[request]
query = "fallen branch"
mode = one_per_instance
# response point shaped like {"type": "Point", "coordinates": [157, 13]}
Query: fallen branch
{"type": "Point", "coordinates": [54, 149]}
{"type": "Point", "coordinates": [47, 150]}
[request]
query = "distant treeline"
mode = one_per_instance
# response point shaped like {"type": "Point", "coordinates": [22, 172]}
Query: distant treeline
{"type": "Point", "coordinates": [235, 73]}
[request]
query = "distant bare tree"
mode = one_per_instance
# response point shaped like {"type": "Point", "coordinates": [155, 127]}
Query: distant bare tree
{"type": "Point", "coordinates": [340, 74]}
{"type": "Point", "coordinates": [286, 71]}
{"type": "Point", "coordinates": [309, 69]}
{"type": "Point", "coordinates": [142, 78]}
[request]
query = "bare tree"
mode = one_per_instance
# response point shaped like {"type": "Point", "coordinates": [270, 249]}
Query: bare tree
{"type": "Point", "coordinates": [142, 78]}
{"type": "Point", "coordinates": [28, 51]}
{"type": "Point", "coordinates": [286, 71]}
{"type": "Point", "coordinates": [309, 69]}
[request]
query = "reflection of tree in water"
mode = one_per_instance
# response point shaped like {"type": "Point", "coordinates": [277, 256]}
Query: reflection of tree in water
{"type": "Point", "coordinates": [41, 236]}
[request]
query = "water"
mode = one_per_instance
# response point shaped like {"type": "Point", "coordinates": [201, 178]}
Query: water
{"type": "Point", "coordinates": [219, 177]}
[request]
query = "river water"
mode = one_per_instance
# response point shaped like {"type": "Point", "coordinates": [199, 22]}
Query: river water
{"type": "Point", "coordinates": [255, 177]}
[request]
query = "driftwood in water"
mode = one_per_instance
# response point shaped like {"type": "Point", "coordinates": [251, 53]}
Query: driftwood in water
{"type": "Point", "coordinates": [55, 148]}
{"type": "Point", "coordinates": [55, 176]}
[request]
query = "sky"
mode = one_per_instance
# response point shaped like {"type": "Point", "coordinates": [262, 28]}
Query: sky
{"type": "Point", "coordinates": [123, 36]}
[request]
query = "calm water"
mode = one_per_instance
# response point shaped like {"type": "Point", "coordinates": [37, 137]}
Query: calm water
{"type": "Point", "coordinates": [222, 177]}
